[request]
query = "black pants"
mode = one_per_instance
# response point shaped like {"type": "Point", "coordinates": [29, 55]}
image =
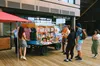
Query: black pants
{"type": "Point", "coordinates": [15, 41]}
{"type": "Point", "coordinates": [69, 49]}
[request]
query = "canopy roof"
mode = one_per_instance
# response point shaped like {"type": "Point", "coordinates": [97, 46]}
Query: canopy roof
{"type": "Point", "coordinates": [6, 17]}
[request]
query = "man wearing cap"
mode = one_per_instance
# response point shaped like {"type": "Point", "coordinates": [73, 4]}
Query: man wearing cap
{"type": "Point", "coordinates": [79, 41]}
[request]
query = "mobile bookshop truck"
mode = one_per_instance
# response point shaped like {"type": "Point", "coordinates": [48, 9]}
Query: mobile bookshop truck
{"type": "Point", "coordinates": [42, 36]}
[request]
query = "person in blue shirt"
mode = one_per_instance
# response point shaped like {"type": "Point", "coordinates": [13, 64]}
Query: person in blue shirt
{"type": "Point", "coordinates": [15, 32]}
{"type": "Point", "coordinates": [79, 41]}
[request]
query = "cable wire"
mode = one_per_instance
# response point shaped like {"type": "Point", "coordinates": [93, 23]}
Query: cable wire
{"type": "Point", "coordinates": [87, 9]}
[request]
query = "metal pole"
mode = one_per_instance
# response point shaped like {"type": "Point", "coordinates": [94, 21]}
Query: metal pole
{"type": "Point", "coordinates": [73, 22]}
{"type": "Point", "coordinates": [17, 45]}
{"type": "Point", "coordinates": [10, 36]}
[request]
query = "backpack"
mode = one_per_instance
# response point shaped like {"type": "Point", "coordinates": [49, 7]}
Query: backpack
{"type": "Point", "coordinates": [84, 34]}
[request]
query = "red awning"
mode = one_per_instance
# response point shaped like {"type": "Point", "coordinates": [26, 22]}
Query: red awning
{"type": "Point", "coordinates": [6, 17]}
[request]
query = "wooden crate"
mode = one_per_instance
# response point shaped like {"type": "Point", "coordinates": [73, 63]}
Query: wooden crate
{"type": "Point", "coordinates": [5, 43]}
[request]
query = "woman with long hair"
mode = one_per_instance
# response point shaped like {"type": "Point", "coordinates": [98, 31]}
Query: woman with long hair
{"type": "Point", "coordinates": [22, 43]}
{"type": "Point", "coordinates": [70, 46]}
{"type": "Point", "coordinates": [95, 40]}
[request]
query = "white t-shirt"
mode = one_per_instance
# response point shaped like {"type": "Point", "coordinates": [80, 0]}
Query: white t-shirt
{"type": "Point", "coordinates": [15, 33]}
{"type": "Point", "coordinates": [98, 36]}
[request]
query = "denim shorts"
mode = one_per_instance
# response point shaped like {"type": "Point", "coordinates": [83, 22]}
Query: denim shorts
{"type": "Point", "coordinates": [79, 47]}
{"type": "Point", "coordinates": [22, 43]}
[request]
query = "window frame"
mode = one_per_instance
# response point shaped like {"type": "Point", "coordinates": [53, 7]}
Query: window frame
{"type": "Point", "coordinates": [68, 1]}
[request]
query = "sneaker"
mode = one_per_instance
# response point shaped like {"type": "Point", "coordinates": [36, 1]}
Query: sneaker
{"type": "Point", "coordinates": [66, 60]}
{"type": "Point", "coordinates": [79, 58]}
{"type": "Point", "coordinates": [64, 53]}
{"type": "Point", "coordinates": [24, 58]}
{"type": "Point", "coordinates": [94, 57]}
{"type": "Point", "coordinates": [70, 59]}
{"type": "Point", "coordinates": [21, 57]}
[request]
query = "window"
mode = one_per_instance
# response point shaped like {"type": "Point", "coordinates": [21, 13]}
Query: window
{"type": "Point", "coordinates": [70, 1]}
{"type": "Point", "coordinates": [65, 0]}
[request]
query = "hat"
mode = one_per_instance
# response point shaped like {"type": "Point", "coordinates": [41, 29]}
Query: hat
{"type": "Point", "coordinates": [78, 24]}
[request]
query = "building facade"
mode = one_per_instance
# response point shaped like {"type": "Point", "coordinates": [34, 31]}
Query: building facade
{"type": "Point", "coordinates": [90, 13]}
{"type": "Point", "coordinates": [42, 8]}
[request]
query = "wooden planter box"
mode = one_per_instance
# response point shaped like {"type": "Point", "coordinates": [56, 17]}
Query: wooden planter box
{"type": "Point", "coordinates": [5, 43]}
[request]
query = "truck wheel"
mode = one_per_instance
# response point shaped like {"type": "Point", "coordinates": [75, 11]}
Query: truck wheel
{"type": "Point", "coordinates": [44, 50]}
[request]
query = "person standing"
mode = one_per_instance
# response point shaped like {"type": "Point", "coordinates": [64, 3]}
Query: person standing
{"type": "Point", "coordinates": [65, 32]}
{"type": "Point", "coordinates": [15, 32]}
{"type": "Point", "coordinates": [95, 40]}
{"type": "Point", "coordinates": [27, 32]}
{"type": "Point", "coordinates": [79, 41]}
{"type": "Point", "coordinates": [22, 43]}
{"type": "Point", "coordinates": [70, 46]}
